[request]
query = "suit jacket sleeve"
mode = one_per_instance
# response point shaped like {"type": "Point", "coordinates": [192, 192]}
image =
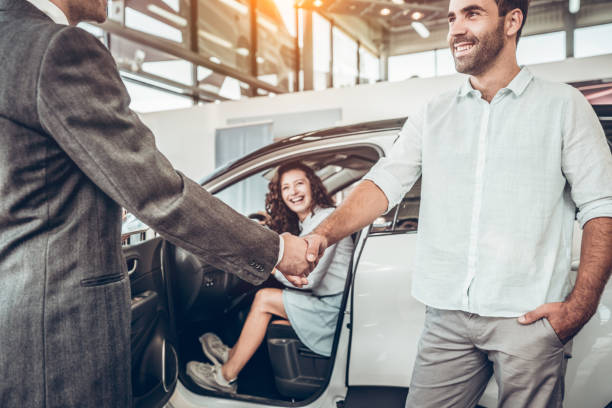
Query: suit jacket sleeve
{"type": "Point", "coordinates": [84, 106]}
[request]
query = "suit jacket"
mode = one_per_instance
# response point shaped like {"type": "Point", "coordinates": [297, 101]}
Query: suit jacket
{"type": "Point", "coordinates": [72, 153]}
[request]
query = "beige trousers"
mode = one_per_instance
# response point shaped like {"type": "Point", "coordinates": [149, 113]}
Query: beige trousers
{"type": "Point", "coordinates": [458, 352]}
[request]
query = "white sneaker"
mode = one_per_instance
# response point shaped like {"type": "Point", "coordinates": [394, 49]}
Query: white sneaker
{"type": "Point", "coordinates": [214, 349]}
{"type": "Point", "coordinates": [209, 376]}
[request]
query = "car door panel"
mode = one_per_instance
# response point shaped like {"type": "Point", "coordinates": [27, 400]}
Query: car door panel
{"type": "Point", "coordinates": [387, 320]}
{"type": "Point", "coordinates": [154, 361]}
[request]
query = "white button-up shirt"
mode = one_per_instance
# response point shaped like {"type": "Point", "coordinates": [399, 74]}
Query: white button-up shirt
{"type": "Point", "coordinates": [51, 10]}
{"type": "Point", "coordinates": [501, 184]}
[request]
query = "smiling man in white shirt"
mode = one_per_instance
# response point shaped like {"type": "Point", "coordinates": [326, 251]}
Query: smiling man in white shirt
{"type": "Point", "coordinates": [505, 162]}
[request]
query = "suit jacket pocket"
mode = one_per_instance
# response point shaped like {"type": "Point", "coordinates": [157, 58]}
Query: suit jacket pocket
{"type": "Point", "coordinates": [102, 280]}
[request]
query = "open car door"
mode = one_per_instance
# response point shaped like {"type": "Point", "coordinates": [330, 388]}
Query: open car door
{"type": "Point", "coordinates": [386, 320]}
{"type": "Point", "coordinates": [154, 358]}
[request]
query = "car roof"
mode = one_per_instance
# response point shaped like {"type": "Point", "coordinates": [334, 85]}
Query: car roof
{"type": "Point", "coordinates": [604, 112]}
{"type": "Point", "coordinates": [328, 133]}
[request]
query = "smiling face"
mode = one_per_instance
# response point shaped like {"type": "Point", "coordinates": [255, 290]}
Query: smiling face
{"type": "Point", "coordinates": [476, 34]}
{"type": "Point", "coordinates": [296, 192]}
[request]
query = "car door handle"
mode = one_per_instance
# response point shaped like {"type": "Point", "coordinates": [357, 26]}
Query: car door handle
{"type": "Point", "coordinates": [132, 269]}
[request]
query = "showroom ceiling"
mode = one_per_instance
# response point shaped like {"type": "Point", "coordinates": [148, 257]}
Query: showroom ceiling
{"type": "Point", "coordinates": [414, 25]}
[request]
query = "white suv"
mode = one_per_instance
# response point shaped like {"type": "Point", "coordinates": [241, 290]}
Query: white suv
{"type": "Point", "coordinates": [176, 298]}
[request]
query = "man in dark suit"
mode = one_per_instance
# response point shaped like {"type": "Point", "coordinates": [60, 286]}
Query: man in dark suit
{"type": "Point", "coordinates": [71, 154]}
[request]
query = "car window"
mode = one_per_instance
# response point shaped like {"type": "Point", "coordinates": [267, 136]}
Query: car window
{"type": "Point", "coordinates": [339, 169]}
{"type": "Point", "coordinates": [248, 195]}
{"type": "Point", "coordinates": [402, 218]}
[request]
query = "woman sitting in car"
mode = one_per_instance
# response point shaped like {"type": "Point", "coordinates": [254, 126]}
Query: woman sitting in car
{"type": "Point", "coordinates": [297, 202]}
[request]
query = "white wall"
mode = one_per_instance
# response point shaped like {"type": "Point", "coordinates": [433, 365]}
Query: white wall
{"type": "Point", "coordinates": [187, 136]}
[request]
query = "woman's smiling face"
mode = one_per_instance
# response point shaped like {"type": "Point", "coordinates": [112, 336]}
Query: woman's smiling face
{"type": "Point", "coordinates": [296, 192]}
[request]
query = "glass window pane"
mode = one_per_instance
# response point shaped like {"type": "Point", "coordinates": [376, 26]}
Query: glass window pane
{"type": "Point", "coordinates": [445, 64]}
{"type": "Point", "coordinates": [321, 51]}
{"type": "Point", "coordinates": [286, 9]}
{"type": "Point", "coordinates": [595, 40]}
{"type": "Point", "coordinates": [224, 33]}
{"type": "Point", "coordinates": [421, 65]}
{"type": "Point", "coordinates": [369, 69]}
{"type": "Point", "coordinates": [147, 99]}
{"type": "Point", "coordinates": [345, 59]}
{"type": "Point", "coordinates": [142, 22]}
{"type": "Point", "coordinates": [132, 56]}
{"type": "Point", "coordinates": [275, 48]}
{"type": "Point", "coordinates": [177, 70]}
{"type": "Point", "coordinates": [536, 49]}
{"type": "Point", "coordinates": [246, 196]}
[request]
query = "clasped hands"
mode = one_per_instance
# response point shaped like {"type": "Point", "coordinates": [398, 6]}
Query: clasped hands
{"type": "Point", "coordinates": [300, 257]}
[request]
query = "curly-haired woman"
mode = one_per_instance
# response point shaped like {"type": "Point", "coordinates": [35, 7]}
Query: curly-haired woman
{"type": "Point", "coordinates": [297, 202]}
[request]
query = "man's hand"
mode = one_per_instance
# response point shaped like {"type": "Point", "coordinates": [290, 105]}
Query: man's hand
{"type": "Point", "coordinates": [293, 264]}
{"type": "Point", "coordinates": [565, 318]}
{"type": "Point", "coordinates": [317, 244]}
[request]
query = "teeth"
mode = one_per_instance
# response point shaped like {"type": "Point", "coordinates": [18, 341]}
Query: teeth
{"type": "Point", "coordinates": [463, 47]}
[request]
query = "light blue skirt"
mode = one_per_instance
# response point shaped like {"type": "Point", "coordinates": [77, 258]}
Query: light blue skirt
{"type": "Point", "coordinates": [313, 318]}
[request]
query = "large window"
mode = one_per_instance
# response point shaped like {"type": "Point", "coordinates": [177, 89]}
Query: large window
{"type": "Point", "coordinates": [420, 64]}
{"type": "Point", "coordinates": [345, 59]}
{"type": "Point", "coordinates": [147, 20]}
{"type": "Point", "coordinates": [595, 40]}
{"type": "Point", "coordinates": [369, 70]}
{"type": "Point", "coordinates": [321, 51]}
{"type": "Point", "coordinates": [537, 49]}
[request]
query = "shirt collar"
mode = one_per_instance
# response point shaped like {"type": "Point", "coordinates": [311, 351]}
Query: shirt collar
{"type": "Point", "coordinates": [51, 10]}
{"type": "Point", "coordinates": [518, 84]}
{"type": "Point", "coordinates": [308, 218]}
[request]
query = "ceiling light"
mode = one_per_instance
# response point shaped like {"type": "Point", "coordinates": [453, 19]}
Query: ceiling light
{"type": "Point", "coordinates": [260, 60]}
{"type": "Point", "coordinates": [398, 2]}
{"type": "Point", "coordinates": [317, 3]}
{"type": "Point", "coordinates": [215, 60]}
{"type": "Point", "coordinates": [574, 6]}
{"type": "Point", "coordinates": [242, 51]}
{"type": "Point", "coordinates": [178, 20]}
{"type": "Point", "coordinates": [420, 29]}
{"type": "Point", "coordinates": [385, 12]}
{"type": "Point", "coordinates": [417, 15]}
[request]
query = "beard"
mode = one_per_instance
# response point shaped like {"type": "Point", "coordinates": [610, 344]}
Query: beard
{"type": "Point", "coordinates": [483, 53]}
{"type": "Point", "coordinates": [87, 10]}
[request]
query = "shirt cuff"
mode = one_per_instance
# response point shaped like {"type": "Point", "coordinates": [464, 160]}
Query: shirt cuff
{"type": "Point", "coordinates": [391, 188]}
{"type": "Point", "coordinates": [595, 209]}
{"type": "Point", "coordinates": [281, 250]}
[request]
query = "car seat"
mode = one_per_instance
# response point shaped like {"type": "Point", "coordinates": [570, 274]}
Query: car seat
{"type": "Point", "coordinates": [298, 371]}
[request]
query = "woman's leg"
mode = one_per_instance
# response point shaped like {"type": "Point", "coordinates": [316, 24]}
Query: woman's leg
{"type": "Point", "coordinates": [268, 302]}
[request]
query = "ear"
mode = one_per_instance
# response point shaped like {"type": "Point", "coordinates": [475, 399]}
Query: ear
{"type": "Point", "coordinates": [514, 21]}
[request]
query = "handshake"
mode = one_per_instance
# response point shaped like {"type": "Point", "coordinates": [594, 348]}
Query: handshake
{"type": "Point", "coordinates": [300, 256]}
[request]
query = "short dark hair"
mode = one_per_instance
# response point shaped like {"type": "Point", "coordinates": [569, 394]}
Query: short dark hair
{"type": "Point", "coordinates": [506, 6]}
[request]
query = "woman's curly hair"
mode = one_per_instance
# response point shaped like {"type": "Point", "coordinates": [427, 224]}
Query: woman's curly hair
{"type": "Point", "coordinates": [282, 219]}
